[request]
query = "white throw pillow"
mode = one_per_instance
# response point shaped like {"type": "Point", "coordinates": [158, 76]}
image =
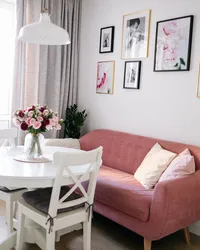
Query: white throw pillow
{"type": "Point", "coordinates": [153, 165]}
{"type": "Point", "coordinates": [67, 143]}
{"type": "Point", "coordinates": [182, 165]}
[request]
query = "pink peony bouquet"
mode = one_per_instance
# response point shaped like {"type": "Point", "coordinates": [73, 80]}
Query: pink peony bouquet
{"type": "Point", "coordinates": [37, 119]}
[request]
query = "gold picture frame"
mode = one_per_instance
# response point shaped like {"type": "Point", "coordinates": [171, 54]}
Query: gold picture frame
{"type": "Point", "coordinates": [198, 87]}
{"type": "Point", "coordinates": [135, 39]}
{"type": "Point", "coordinates": [105, 77]}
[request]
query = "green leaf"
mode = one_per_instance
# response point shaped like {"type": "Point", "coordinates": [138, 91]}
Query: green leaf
{"type": "Point", "coordinates": [182, 61]}
{"type": "Point", "coordinates": [176, 65]}
{"type": "Point", "coordinates": [74, 121]}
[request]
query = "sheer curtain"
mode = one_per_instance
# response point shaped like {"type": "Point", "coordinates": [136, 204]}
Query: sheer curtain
{"type": "Point", "coordinates": [47, 74]}
{"type": "Point", "coordinates": [7, 29]}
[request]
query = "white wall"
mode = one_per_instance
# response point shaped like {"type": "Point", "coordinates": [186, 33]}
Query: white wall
{"type": "Point", "coordinates": [166, 105]}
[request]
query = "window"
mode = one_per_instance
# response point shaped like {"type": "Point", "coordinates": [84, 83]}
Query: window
{"type": "Point", "coordinates": [7, 31]}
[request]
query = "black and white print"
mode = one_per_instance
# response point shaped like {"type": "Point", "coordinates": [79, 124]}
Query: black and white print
{"type": "Point", "coordinates": [135, 35]}
{"type": "Point", "coordinates": [106, 40]}
{"type": "Point", "coordinates": [132, 75]}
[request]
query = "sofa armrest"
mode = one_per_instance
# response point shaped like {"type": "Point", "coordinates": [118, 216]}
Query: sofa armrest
{"type": "Point", "coordinates": [176, 203]}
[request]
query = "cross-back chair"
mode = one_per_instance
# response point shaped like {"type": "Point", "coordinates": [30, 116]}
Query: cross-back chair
{"type": "Point", "coordinates": [10, 196]}
{"type": "Point", "coordinates": [61, 207]}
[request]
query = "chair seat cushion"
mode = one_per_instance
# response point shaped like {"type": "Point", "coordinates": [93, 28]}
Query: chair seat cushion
{"type": "Point", "coordinates": [7, 190]}
{"type": "Point", "coordinates": [40, 199]}
{"type": "Point", "coordinates": [123, 192]}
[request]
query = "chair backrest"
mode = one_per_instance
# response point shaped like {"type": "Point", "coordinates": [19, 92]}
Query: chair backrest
{"type": "Point", "coordinates": [7, 137]}
{"type": "Point", "coordinates": [80, 167]}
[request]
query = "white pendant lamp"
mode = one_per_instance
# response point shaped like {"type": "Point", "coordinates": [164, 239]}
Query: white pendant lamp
{"type": "Point", "coordinates": [44, 32]}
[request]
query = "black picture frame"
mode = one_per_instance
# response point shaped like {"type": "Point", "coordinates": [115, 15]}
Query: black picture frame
{"type": "Point", "coordinates": [138, 74]}
{"type": "Point", "coordinates": [191, 18]}
{"type": "Point", "coordinates": [111, 40]}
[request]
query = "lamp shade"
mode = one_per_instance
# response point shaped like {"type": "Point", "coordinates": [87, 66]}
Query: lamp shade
{"type": "Point", "coordinates": [44, 32]}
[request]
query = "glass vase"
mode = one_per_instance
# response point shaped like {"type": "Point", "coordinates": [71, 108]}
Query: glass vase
{"type": "Point", "coordinates": [34, 145]}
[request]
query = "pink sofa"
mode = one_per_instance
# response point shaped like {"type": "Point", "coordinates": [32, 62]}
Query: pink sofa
{"type": "Point", "coordinates": [170, 206]}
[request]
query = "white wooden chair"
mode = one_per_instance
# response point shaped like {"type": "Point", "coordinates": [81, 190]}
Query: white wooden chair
{"type": "Point", "coordinates": [10, 196]}
{"type": "Point", "coordinates": [55, 219]}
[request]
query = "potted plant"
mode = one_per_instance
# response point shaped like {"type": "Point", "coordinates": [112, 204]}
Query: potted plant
{"type": "Point", "coordinates": [74, 121]}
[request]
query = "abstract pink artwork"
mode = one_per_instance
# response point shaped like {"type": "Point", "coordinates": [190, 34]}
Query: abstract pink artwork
{"type": "Point", "coordinates": [105, 77]}
{"type": "Point", "coordinates": [173, 44]}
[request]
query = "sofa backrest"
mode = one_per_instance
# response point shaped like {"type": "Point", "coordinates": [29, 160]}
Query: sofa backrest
{"type": "Point", "coordinates": [125, 151]}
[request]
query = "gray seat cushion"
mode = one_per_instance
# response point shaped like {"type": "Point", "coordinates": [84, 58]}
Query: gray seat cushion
{"type": "Point", "coordinates": [40, 199]}
{"type": "Point", "coordinates": [7, 190]}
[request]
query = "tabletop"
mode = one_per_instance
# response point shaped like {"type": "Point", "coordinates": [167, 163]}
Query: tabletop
{"type": "Point", "coordinates": [17, 174]}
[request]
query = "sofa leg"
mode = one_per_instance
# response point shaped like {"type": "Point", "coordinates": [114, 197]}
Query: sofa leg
{"type": "Point", "coordinates": [147, 244]}
{"type": "Point", "coordinates": [187, 235]}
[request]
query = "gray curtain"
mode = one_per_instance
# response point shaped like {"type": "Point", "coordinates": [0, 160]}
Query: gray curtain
{"type": "Point", "coordinates": [47, 74]}
{"type": "Point", "coordinates": [59, 64]}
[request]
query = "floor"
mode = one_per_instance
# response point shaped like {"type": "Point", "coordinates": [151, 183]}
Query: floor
{"type": "Point", "coordinates": [107, 235]}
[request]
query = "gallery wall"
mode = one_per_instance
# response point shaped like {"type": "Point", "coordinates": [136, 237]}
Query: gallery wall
{"type": "Point", "coordinates": [166, 105]}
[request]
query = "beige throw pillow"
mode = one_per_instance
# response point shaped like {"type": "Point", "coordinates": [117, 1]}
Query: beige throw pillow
{"type": "Point", "coordinates": [153, 165]}
{"type": "Point", "coordinates": [66, 143]}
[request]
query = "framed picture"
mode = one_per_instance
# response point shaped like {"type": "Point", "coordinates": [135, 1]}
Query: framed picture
{"type": "Point", "coordinates": [105, 77]}
{"type": "Point", "coordinates": [106, 39]}
{"type": "Point", "coordinates": [132, 75]}
{"type": "Point", "coordinates": [198, 85]}
{"type": "Point", "coordinates": [135, 35]}
{"type": "Point", "coordinates": [173, 44]}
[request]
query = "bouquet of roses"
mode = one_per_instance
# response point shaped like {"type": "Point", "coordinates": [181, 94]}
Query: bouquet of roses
{"type": "Point", "coordinates": [37, 119]}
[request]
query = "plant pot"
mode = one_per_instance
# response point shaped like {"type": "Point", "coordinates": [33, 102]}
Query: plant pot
{"type": "Point", "coordinates": [34, 145]}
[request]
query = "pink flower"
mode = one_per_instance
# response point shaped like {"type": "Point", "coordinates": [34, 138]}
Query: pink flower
{"type": "Point", "coordinates": [55, 123]}
{"type": "Point", "coordinates": [58, 127]}
{"type": "Point", "coordinates": [46, 112]}
{"type": "Point", "coordinates": [30, 113]}
{"type": "Point", "coordinates": [20, 118]}
{"type": "Point", "coordinates": [37, 124]}
{"type": "Point", "coordinates": [51, 122]}
{"type": "Point", "coordinates": [55, 118]}
{"type": "Point", "coordinates": [39, 118]}
{"type": "Point", "coordinates": [28, 120]}
{"type": "Point", "coordinates": [32, 121]}
{"type": "Point", "coordinates": [16, 121]}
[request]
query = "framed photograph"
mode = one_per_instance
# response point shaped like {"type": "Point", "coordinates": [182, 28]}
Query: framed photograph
{"type": "Point", "coordinates": [106, 39]}
{"type": "Point", "coordinates": [173, 44]}
{"type": "Point", "coordinates": [105, 77]}
{"type": "Point", "coordinates": [135, 35]}
{"type": "Point", "coordinates": [132, 75]}
{"type": "Point", "coordinates": [198, 85]}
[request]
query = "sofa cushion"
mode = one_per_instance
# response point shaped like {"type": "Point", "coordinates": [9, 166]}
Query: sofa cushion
{"type": "Point", "coordinates": [181, 166]}
{"type": "Point", "coordinates": [40, 199]}
{"type": "Point", "coordinates": [125, 152]}
{"type": "Point", "coordinates": [66, 143]}
{"type": "Point", "coordinates": [153, 165]}
{"type": "Point", "coordinates": [121, 191]}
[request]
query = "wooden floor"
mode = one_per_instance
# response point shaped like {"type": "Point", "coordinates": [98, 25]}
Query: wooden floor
{"type": "Point", "coordinates": [107, 235]}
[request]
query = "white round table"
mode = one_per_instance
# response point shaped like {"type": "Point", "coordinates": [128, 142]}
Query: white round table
{"type": "Point", "coordinates": [16, 174]}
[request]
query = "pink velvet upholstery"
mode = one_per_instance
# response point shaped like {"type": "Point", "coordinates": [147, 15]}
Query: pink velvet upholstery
{"type": "Point", "coordinates": [123, 193]}
{"type": "Point", "coordinates": [170, 206]}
